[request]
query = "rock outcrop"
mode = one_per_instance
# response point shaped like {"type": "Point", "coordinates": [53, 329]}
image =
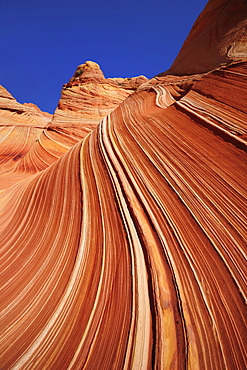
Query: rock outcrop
{"type": "Point", "coordinates": [88, 97]}
{"type": "Point", "coordinates": [125, 248]}
{"type": "Point", "coordinates": [218, 37]}
{"type": "Point", "coordinates": [21, 126]}
{"type": "Point", "coordinates": [13, 113]}
{"type": "Point", "coordinates": [85, 100]}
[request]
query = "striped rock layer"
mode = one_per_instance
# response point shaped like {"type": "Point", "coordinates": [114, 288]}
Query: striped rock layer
{"type": "Point", "coordinates": [218, 36]}
{"type": "Point", "coordinates": [32, 140]}
{"type": "Point", "coordinates": [126, 248]}
{"type": "Point", "coordinates": [21, 125]}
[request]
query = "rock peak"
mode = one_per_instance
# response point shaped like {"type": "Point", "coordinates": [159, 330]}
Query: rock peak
{"type": "Point", "coordinates": [89, 65]}
{"type": "Point", "coordinates": [88, 70]}
{"type": "Point", "coordinates": [91, 73]}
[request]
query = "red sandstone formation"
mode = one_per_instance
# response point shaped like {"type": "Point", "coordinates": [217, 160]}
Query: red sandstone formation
{"type": "Point", "coordinates": [21, 125]}
{"type": "Point", "coordinates": [88, 97]}
{"type": "Point", "coordinates": [85, 100]}
{"type": "Point", "coordinates": [15, 114]}
{"type": "Point", "coordinates": [218, 36]}
{"type": "Point", "coordinates": [127, 249]}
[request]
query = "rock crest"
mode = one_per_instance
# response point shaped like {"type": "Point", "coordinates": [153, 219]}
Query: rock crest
{"type": "Point", "coordinates": [217, 38]}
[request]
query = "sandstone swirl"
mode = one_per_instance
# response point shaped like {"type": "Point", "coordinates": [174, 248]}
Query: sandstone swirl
{"type": "Point", "coordinates": [20, 126]}
{"type": "Point", "coordinates": [43, 138]}
{"type": "Point", "coordinates": [127, 248]}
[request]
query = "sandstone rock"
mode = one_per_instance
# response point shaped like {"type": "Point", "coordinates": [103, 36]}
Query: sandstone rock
{"type": "Point", "coordinates": [88, 97]}
{"type": "Point", "coordinates": [218, 37]}
{"type": "Point", "coordinates": [20, 126]}
{"type": "Point", "coordinates": [85, 100]}
{"type": "Point", "coordinates": [27, 114]}
{"type": "Point", "coordinates": [125, 248]}
{"type": "Point", "coordinates": [5, 94]}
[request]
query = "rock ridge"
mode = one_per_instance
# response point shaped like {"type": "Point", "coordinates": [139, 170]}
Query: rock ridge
{"type": "Point", "coordinates": [218, 37]}
{"type": "Point", "coordinates": [89, 96]}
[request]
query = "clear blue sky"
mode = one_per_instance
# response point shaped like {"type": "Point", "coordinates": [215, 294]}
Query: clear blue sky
{"type": "Point", "coordinates": [43, 41]}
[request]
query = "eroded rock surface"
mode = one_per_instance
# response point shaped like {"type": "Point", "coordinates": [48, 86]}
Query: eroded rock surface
{"type": "Point", "coordinates": [85, 100]}
{"type": "Point", "coordinates": [125, 247]}
{"type": "Point", "coordinates": [88, 97]}
{"type": "Point", "coordinates": [20, 127]}
{"type": "Point", "coordinates": [219, 36]}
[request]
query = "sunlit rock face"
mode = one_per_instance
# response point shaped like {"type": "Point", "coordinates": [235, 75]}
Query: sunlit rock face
{"type": "Point", "coordinates": [88, 97]}
{"type": "Point", "coordinates": [20, 126]}
{"type": "Point", "coordinates": [218, 36]}
{"type": "Point", "coordinates": [43, 138]}
{"type": "Point", "coordinates": [127, 250]}
{"type": "Point", "coordinates": [16, 114]}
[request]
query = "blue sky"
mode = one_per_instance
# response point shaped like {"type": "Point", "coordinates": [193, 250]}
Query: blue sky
{"type": "Point", "coordinates": [43, 41]}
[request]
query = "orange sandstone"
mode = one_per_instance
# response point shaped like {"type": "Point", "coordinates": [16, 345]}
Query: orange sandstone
{"type": "Point", "coordinates": [123, 227]}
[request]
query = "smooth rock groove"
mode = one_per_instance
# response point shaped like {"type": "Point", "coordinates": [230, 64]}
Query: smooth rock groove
{"type": "Point", "coordinates": [123, 223]}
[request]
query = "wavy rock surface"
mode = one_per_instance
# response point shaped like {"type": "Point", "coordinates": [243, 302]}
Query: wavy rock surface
{"type": "Point", "coordinates": [20, 126]}
{"type": "Point", "coordinates": [43, 138]}
{"type": "Point", "coordinates": [218, 36]}
{"type": "Point", "coordinates": [88, 97]}
{"type": "Point", "coordinates": [128, 251]}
